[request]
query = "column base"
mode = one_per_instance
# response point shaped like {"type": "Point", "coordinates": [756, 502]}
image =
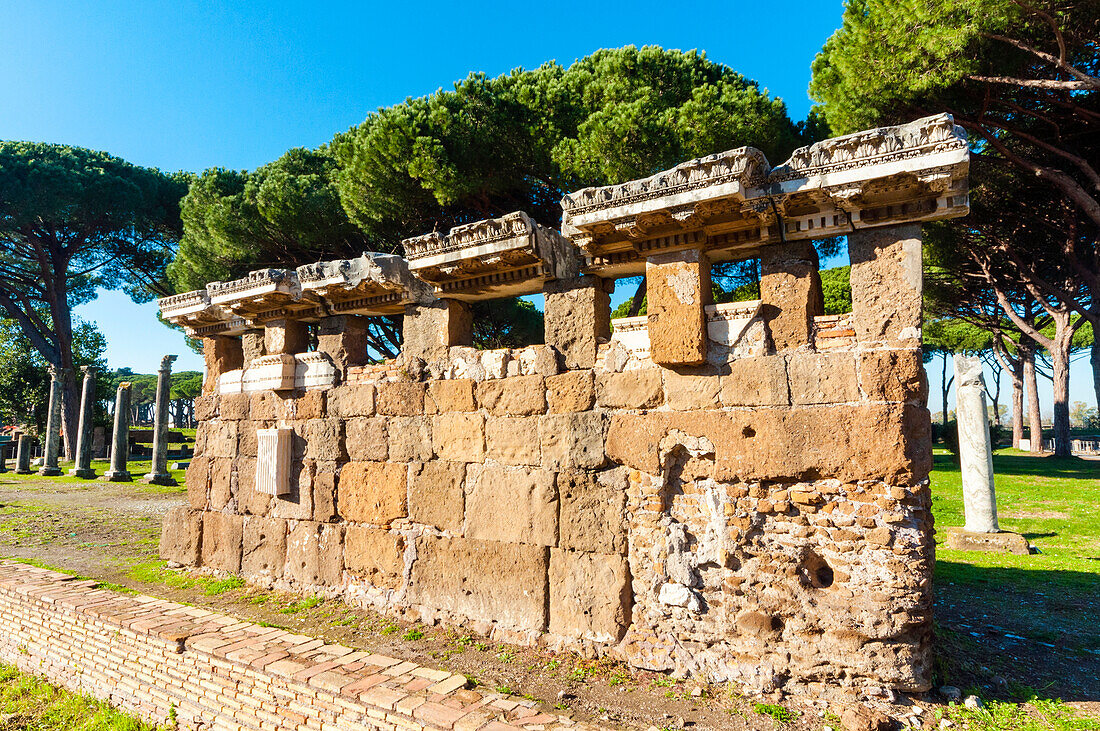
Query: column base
{"type": "Point", "coordinates": [162, 478]}
{"type": "Point", "coordinates": [1002, 542]}
{"type": "Point", "coordinates": [50, 472]}
{"type": "Point", "coordinates": [24, 472]}
{"type": "Point", "coordinates": [116, 476]}
{"type": "Point", "coordinates": [88, 474]}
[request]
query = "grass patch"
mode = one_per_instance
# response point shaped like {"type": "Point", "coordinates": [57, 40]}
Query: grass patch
{"type": "Point", "coordinates": [1035, 715]}
{"type": "Point", "coordinates": [301, 605]}
{"type": "Point", "coordinates": [136, 469]}
{"type": "Point", "coordinates": [776, 712]}
{"type": "Point", "coordinates": [35, 704]}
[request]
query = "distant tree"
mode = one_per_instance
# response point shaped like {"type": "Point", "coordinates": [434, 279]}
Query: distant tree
{"type": "Point", "coordinates": [71, 221]}
{"type": "Point", "coordinates": [186, 386]}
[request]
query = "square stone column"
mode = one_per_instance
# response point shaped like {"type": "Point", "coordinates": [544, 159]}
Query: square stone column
{"type": "Point", "coordinates": [887, 285]}
{"type": "Point", "coordinates": [285, 337]}
{"type": "Point", "coordinates": [344, 339]}
{"type": "Point", "coordinates": [221, 354]}
{"type": "Point", "coordinates": [429, 330]}
{"type": "Point", "coordinates": [252, 346]}
{"type": "Point", "coordinates": [577, 317]}
{"type": "Point", "coordinates": [677, 289]}
{"type": "Point", "coordinates": [790, 293]}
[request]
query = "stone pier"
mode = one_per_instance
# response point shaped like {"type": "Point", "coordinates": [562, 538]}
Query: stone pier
{"type": "Point", "coordinates": [120, 438]}
{"type": "Point", "coordinates": [158, 472]}
{"type": "Point", "coordinates": [83, 468]}
{"type": "Point", "coordinates": [50, 466]}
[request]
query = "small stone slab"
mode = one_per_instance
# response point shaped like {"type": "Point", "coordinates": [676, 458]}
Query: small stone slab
{"type": "Point", "coordinates": [1003, 542]}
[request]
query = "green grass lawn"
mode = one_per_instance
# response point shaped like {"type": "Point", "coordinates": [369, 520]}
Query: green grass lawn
{"type": "Point", "coordinates": [136, 468]}
{"type": "Point", "coordinates": [1007, 625]}
{"type": "Point", "coordinates": [27, 702]}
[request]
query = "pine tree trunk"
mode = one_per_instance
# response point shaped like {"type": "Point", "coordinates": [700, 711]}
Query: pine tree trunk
{"type": "Point", "coordinates": [1035, 418]}
{"type": "Point", "coordinates": [1059, 356]}
{"type": "Point", "coordinates": [1017, 374]}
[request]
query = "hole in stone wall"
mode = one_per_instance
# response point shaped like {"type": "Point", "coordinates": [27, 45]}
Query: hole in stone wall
{"type": "Point", "coordinates": [815, 572]}
{"type": "Point", "coordinates": [748, 432]}
{"type": "Point", "coordinates": [735, 281]}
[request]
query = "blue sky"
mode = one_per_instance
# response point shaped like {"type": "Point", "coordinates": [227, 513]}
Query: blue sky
{"type": "Point", "coordinates": [191, 85]}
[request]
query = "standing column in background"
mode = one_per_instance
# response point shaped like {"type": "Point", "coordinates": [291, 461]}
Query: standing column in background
{"type": "Point", "coordinates": [23, 455]}
{"type": "Point", "coordinates": [981, 532]}
{"type": "Point", "coordinates": [158, 472]}
{"type": "Point", "coordinates": [53, 426]}
{"type": "Point", "coordinates": [120, 438]}
{"type": "Point", "coordinates": [83, 467]}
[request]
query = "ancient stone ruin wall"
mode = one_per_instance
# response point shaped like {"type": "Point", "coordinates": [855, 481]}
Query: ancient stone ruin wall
{"type": "Point", "coordinates": [737, 491]}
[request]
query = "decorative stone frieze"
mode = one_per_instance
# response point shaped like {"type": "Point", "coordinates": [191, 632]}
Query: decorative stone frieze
{"type": "Point", "coordinates": [733, 202]}
{"type": "Point", "coordinates": [506, 256]}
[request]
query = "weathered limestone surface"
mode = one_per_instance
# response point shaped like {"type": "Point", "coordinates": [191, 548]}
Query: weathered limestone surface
{"type": "Point", "coordinates": [975, 451]}
{"type": "Point", "coordinates": [158, 472]}
{"type": "Point", "coordinates": [53, 426]}
{"type": "Point", "coordinates": [83, 467]}
{"type": "Point", "coordinates": [735, 491]}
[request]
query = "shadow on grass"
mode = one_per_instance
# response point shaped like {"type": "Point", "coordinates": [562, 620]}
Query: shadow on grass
{"type": "Point", "coordinates": [1030, 465]}
{"type": "Point", "coordinates": [1011, 632]}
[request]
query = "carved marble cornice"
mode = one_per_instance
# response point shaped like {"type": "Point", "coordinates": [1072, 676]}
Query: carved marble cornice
{"type": "Point", "coordinates": [509, 255]}
{"type": "Point", "coordinates": [910, 172]}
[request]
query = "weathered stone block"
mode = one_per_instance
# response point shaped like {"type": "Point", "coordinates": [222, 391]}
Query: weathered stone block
{"type": "Point", "coordinates": [410, 438]}
{"type": "Point", "coordinates": [593, 511]}
{"type": "Point", "coordinates": [455, 395]}
{"type": "Point", "coordinates": [324, 491]}
{"type": "Point", "coordinates": [285, 336]}
{"type": "Point", "coordinates": [513, 440]}
{"type": "Point", "coordinates": [572, 440]}
{"type": "Point", "coordinates": [344, 338]}
{"type": "Point", "coordinates": [264, 547]}
{"type": "Point", "coordinates": [181, 536]}
{"type": "Point", "coordinates": [205, 406]}
{"type": "Point", "coordinates": [459, 437]}
{"type": "Point", "coordinates": [571, 392]}
{"type": "Point", "coordinates": [894, 375]}
{"type": "Point", "coordinates": [756, 382]}
{"type": "Point", "coordinates": [590, 595]}
{"type": "Point", "coordinates": [222, 483]}
{"type": "Point", "coordinates": [351, 400]}
{"type": "Point", "coordinates": [514, 505]}
{"type": "Point", "coordinates": [430, 329]}
{"type": "Point", "coordinates": [365, 438]}
{"type": "Point", "coordinates": [790, 293]}
{"type": "Point", "coordinates": [516, 396]}
{"type": "Point", "coordinates": [677, 288]}
{"type": "Point", "coordinates": [377, 555]}
{"type": "Point", "coordinates": [267, 406]}
{"type": "Point", "coordinates": [250, 501]}
{"type": "Point", "coordinates": [297, 503]}
{"type": "Point", "coordinates": [822, 378]}
{"type": "Point", "coordinates": [436, 496]}
{"type": "Point", "coordinates": [483, 579]}
{"type": "Point", "coordinates": [307, 405]}
{"type": "Point", "coordinates": [577, 318]}
{"type": "Point", "coordinates": [886, 284]}
{"type": "Point", "coordinates": [252, 346]}
{"type": "Point", "coordinates": [221, 439]}
{"type": "Point", "coordinates": [324, 439]}
{"type": "Point", "coordinates": [233, 406]}
{"type": "Point", "coordinates": [691, 391]}
{"type": "Point", "coordinates": [220, 354]}
{"type": "Point", "coordinates": [372, 492]}
{"type": "Point", "coordinates": [315, 554]}
{"type": "Point", "coordinates": [641, 389]}
{"type": "Point", "coordinates": [401, 398]}
{"type": "Point", "coordinates": [198, 482]}
{"type": "Point", "coordinates": [247, 440]}
{"type": "Point", "coordinates": [221, 541]}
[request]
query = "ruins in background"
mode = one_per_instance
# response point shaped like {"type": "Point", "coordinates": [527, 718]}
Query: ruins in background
{"type": "Point", "coordinates": [737, 491]}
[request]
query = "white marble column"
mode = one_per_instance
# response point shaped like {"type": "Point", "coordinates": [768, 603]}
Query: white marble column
{"type": "Point", "coordinates": [120, 438]}
{"type": "Point", "coordinates": [53, 426]}
{"type": "Point", "coordinates": [975, 452]}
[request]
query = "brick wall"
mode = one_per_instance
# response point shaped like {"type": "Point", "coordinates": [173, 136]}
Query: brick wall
{"type": "Point", "coordinates": [156, 658]}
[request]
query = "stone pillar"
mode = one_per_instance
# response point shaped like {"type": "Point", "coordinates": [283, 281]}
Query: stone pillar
{"type": "Point", "coordinates": [252, 346]}
{"type": "Point", "coordinates": [23, 455]}
{"type": "Point", "coordinates": [975, 453]}
{"type": "Point", "coordinates": [577, 318]}
{"type": "Point", "coordinates": [886, 285]}
{"type": "Point", "coordinates": [221, 354]}
{"type": "Point", "coordinates": [431, 329]}
{"type": "Point", "coordinates": [285, 337]}
{"type": "Point", "coordinates": [677, 289]}
{"type": "Point", "coordinates": [120, 438]}
{"type": "Point", "coordinates": [158, 472]}
{"type": "Point", "coordinates": [344, 339]}
{"type": "Point", "coordinates": [83, 468]}
{"type": "Point", "coordinates": [790, 293]}
{"type": "Point", "coordinates": [53, 426]}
